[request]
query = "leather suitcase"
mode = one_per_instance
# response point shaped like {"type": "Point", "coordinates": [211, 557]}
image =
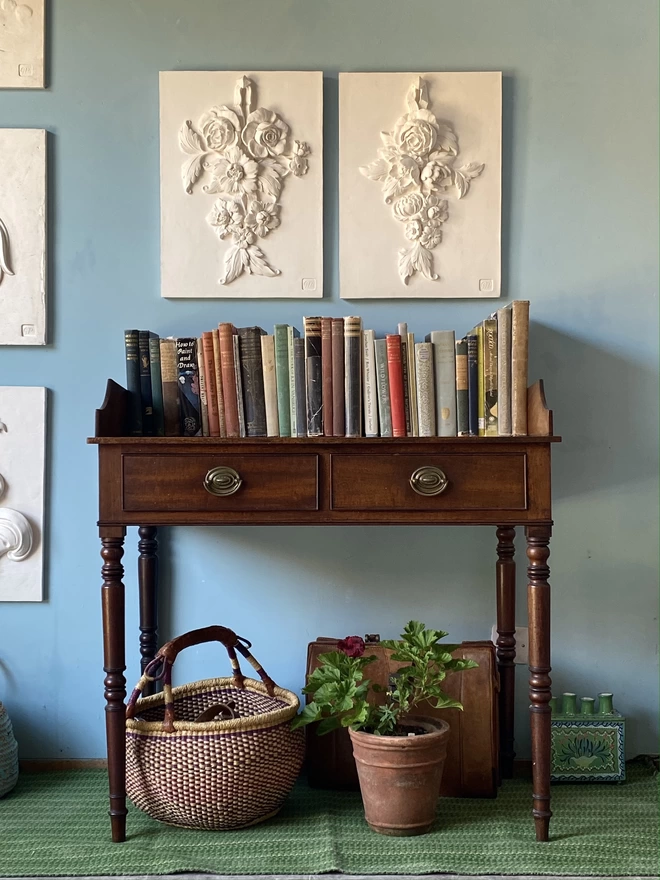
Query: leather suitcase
{"type": "Point", "coordinates": [472, 765]}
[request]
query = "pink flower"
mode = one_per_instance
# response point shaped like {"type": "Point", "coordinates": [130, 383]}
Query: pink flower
{"type": "Point", "coordinates": [352, 646]}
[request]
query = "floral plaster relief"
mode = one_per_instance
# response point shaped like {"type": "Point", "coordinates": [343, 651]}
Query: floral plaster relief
{"type": "Point", "coordinates": [21, 44]}
{"type": "Point", "coordinates": [244, 155]}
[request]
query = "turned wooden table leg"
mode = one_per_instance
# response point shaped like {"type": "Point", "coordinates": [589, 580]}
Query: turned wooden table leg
{"type": "Point", "coordinates": [112, 596]}
{"type": "Point", "coordinates": [538, 605]}
{"type": "Point", "coordinates": [148, 581]}
{"type": "Point", "coordinates": [506, 643]}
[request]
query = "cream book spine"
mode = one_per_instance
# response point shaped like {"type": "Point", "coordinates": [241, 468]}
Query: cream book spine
{"type": "Point", "coordinates": [369, 384]}
{"type": "Point", "coordinates": [503, 317]}
{"type": "Point", "coordinates": [270, 385]}
{"type": "Point", "coordinates": [425, 389]}
{"type": "Point", "coordinates": [412, 385]}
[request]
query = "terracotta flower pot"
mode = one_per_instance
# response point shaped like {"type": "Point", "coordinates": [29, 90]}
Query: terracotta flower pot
{"type": "Point", "coordinates": [400, 776]}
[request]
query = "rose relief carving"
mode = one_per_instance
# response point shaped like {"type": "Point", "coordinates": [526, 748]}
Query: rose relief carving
{"type": "Point", "coordinates": [5, 267]}
{"type": "Point", "coordinates": [243, 155]}
{"type": "Point", "coordinates": [15, 532]}
{"type": "Point", "coordinates": [416, 167]}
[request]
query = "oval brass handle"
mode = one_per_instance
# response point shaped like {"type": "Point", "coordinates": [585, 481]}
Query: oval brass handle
{"type": "Point", "coordinates": [222, 481]}
{"type": "Point", "coordinates": [429, 481]}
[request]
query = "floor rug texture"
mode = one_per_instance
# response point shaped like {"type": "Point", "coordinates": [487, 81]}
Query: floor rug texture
{"type": "Point", "coordinates": [56, 824]}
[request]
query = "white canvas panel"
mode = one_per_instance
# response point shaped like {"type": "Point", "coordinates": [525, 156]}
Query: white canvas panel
{"type": "Point", "coordinates": [22, 44]}
{"type": "Point", "coordinates": [420, 184]}
{"type": "Point", "coordinates": [22, 236]}
{"type": "Point", "coordinates": [22, 459]}
{"type": "Point", "coordinates": [241, 184]}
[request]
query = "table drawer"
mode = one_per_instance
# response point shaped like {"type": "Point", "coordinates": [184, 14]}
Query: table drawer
{"type": "Point", "coordinates": [471, 482]}
{"type": "Point", "coordinates": [244, 482]}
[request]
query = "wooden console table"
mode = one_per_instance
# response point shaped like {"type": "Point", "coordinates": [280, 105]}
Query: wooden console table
{"type": "Point", "coordinates": [490, 481]}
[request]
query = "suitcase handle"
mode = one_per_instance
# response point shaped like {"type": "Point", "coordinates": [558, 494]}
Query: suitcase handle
{"type": "Point", "coordinates": [160, 668]}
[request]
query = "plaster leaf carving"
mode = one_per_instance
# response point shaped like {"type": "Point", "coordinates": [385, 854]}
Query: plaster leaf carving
{"type": "Point", "coordinates": [243, 155]}
{"type": "Point", "coordinates": [15, 532]}
{"type": "Point", "coordinates": [416, 170]}
{"type": "Point", "coordinates": [5, 268]}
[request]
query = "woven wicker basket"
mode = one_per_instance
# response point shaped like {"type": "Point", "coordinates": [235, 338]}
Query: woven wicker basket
{"type": "Point", "coordinates": [8, 754]}
{"type": "Point", "coordinates": [186, 768]}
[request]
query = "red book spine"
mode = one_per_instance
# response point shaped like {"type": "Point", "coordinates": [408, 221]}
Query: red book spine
{"type": "Point", "coordinates": [226, 338]}
{"type": "Point", "coordinates": [338, 414]}
{"type": "Point", "coordinates": [211, 390]}
{"type": "Point", "coordinates": [326, 375]}
{"type": "Point", "coordinates": [395, 372]}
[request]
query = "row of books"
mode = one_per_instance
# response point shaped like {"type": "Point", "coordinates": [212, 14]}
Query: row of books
{"type": "Point", "coordinates": [337, 380]}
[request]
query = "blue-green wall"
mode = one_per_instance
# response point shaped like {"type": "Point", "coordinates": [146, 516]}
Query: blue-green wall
{"type": "Point", "coordinates": [580, 237]}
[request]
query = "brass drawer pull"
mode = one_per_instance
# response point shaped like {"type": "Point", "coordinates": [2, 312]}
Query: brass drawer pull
{"type": "Point", "coordinates": [429, 481]}
{"type": "Point", "coordinates": [222, 481]}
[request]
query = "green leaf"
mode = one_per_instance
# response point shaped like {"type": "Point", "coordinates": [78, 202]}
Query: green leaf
{"type": "Point", "coordinates": [310, 713]}
{"type": "Point", "coordinates": [328, 725]}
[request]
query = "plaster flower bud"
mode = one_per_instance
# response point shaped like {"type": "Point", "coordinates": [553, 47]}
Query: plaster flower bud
{"type": "Point", "coordinates": [265, 134]}
{"type": "Point", "coordinates": [220, 126]}
{"type": "Point", "coordinates": [408, 206]}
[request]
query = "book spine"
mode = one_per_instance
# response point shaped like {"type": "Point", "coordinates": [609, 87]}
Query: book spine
{"type": "Point", "coordinates": [211, 388]}
{"type": "Point", "coordinates": [352, 383]}
{"type": "Point", "coordinates": [326, 372]}
{"type": "Point", "coordinates": [270, 385]}
{"type": "Point", "coordinates": [425, 389]}
{"type": "Point", "coordinates": [384, 405]}
{"type": "Point", "coordinates": [444, 362]}
{"type": "Point", "coordinates": [292, 334]}
{"type": "Point", "coordinates": [226, 340]}
{"type": "Point", "coordinates": [412, 385]}
{"type": "Point", "coordinates": [369, 384]}
{"type": "Point", "coordinates": [462, 392]}
{"type": "Point", "coordinates": [252, 378]}
{"type": "Point", "coordinates": [170, 379]}
{"type": "Point", "coordinates": [132, 348]}
{"type": "Point", "coordinates": [217, 365]}
{"type": "Point", "coordinates": [338, 414]}
{"type": "Point", "coordinates": [504, 372]}
{"type": "Point", "coordinates": [238, 384]}
{"type": "Point", "coordinates": [145, 384]}
{"type": "Point", "coordinates": [479, 330]}
{"type": "Point", "coordinates": [156, 385]}
{"type": "Point", "coordinates": [188, 386]}
{"type": "Point", "coordinates": [282, 376]}
{"type": "Point", "coordinates": [203, 402]}
{"type": "Point", "coordinates": [519, 365]}
{"type": "Point", "coordinates": [299, 380]}
{"type": "Point", "coordinates": [402, 330]}
{"type": "Point", "coordinates": [395, 372]}
{"type": "Point", "coordinates": [314, 377]}
{"type": "Point", "coordinates": [490, 376]}
{"type": "Point", "coordinates": [473, 384]}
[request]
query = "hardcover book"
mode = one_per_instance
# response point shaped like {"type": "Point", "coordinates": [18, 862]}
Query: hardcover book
{"type": "Point", "coordinates": [352, 376]}
{"type": "Point", "coordinates": [444, 363]}
{"type": "Point", "coordinates": [300, 397]}
{"type": "Point", "coordinates": [217, 364]}
{"type": "Point", "coordinates": [270, 385]}
{"type": "Point", "coordinates": [479, 332]}
{"type": "Point", "coordinates": [412, 385]}
{"type": "Point", "coordinates": [145, 384]}
{"type": "Point", "coordinates": [132, 349]}
{"type": "Point", "coordinates": [209, 381]}
{"type": "Point", "coordinates": [201, 373]}
{"type": "Point", "coordinates": [462, 390]}
{"type": "Point", "coordinates": [503, 317]}
{"type": "Point", "coordinates": [252, 379]}
{"type": "Point", "coordinates": [402, 329]}
{"type": "Point", "coordinates": [238, 383]}
{"type": "Point", "coordinates": [226, 333]}
{"type": "Point", "coordinates": [425, 389]}
{"type": "Point", "coordinates": [188, 378]}
{"type": "Point", "coordinates": [326, 371]}
{"type": "Point", "coordinates": [338, 414]}
{"type": "Point", "coordinates": [395, 371]}
{"type": "Point", "coordinates": [313, 376]}
{"type": "Point", "coordinates": [282, 375]}
{"type": "Point", "coordinates": [519, 358]}
{"type": "Point", "coordinates": [473, 383]}
{"type": "Point", "coordinates": [384, 405]}
{"type": "Point", "coordinates": [490, 376]}
{"type": "Point", "coordinates": [369, 384]}
{"type": "Point", "coordinates": [156, 385]}
{"type": "Point", "coordinates": [170, 379]}
{"type": "Point", "coordinates": [292, 334]}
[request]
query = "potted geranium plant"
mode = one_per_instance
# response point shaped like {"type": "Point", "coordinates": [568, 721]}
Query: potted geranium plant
{"type": "Point", "coordinates": [399, 755]}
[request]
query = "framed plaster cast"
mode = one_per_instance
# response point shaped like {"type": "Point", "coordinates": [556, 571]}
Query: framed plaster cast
{"type": "Point", "coordinates": [22, 460]}
{"type": "Point", "coordinates": [22, 44]}
{"type": "Point", "coordinates": [241, 163]}
{"type": "Point", "coordinates": [22, 236]}
{"type": "Point", "coordinates": [420, 184]}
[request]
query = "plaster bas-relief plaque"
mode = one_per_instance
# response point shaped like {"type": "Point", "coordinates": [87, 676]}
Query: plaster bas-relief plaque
{"type": "Point", "coordinates": [241, 184]}
{"type": "Point", "coordinates": [22, 458]}
{"type": "Point", "coordinates": [420, 184]}
{"type": "Point", "coordinates": [22, 44]}
{"type": "Point", "coordinates": [22, 236]}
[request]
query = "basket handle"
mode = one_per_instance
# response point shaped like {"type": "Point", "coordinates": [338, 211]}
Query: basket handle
{"type": "Point", "coordinates": [160, 668]}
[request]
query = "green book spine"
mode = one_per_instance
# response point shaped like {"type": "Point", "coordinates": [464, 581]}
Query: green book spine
{"type": "Point", "coordinates": [156, 385]}
{"type": "Point", "coordinates": [131, 342]}
{"type": "Point", "coordinates": [490, 376]}
{"type": "Point", "coordinates": [462, 393]}
{"type": "Point", "coordinates": [282, 379]}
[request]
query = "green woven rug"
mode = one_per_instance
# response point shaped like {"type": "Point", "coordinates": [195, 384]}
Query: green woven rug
{"type": "Point", "coordinates": [57, 824]}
